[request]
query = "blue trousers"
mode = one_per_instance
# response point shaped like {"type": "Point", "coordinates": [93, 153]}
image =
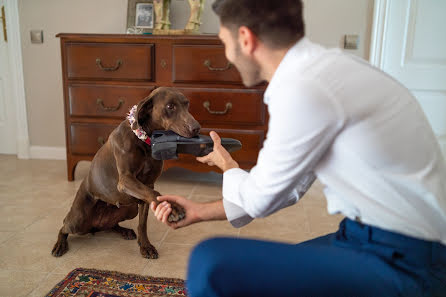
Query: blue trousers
{"type": "Point", "coordinates": [358, 260]}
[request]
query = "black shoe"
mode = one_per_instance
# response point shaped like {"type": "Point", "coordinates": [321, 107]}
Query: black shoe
{"type": "Point", "coordinates": [167, 145]}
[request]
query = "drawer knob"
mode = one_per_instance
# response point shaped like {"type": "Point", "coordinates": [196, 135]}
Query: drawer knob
{"type": "Point", "coordinates": [100, 102]}
{"type": "Point", "coordinates": [99, 63]}
{"type": "Point", "coordinates": [207, 105]}
{"type": "Point", "coordinates": [101, 140]}
{"type": "Point", "coordinates": [207, 63]}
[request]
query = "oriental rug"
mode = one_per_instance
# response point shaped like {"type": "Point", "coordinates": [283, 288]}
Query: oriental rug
{"type": "Point", "coordinates": [83, 282]}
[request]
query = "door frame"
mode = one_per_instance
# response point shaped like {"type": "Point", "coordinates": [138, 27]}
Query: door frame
{"type": "Point", "coordinates": [17, 79]}
{"type": "Point", "coordinates": [379, 27]}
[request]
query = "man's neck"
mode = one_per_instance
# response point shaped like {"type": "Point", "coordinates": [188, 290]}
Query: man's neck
{"type": "Point", "coordinates": [269, 60]}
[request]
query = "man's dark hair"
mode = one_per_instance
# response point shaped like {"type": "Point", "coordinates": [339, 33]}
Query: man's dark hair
{"type": "Point", "coordinates": [278, 23]}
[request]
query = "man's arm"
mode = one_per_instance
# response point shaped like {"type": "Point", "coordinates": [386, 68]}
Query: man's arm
{"type": "Point", "coordinates": [195, 212]}
{"type": "Point", "coordinates": [304, 122]}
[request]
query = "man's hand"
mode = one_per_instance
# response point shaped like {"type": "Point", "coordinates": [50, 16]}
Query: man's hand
{"type": "Point", "coordinates": [219, 156]}
{"type": "Point", "coordinates": [164, 209]}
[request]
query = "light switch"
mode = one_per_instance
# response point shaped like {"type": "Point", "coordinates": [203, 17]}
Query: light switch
{"type": "Point", "coordinates": [351, 41]}
{"type": "Point", "coordinates": [36, 36]}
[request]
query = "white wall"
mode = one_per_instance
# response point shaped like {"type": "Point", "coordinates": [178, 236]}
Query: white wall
{"type": "Point", "coordinates": [327, 22]}
{"type": "Point", "coordinates": [42, 62]}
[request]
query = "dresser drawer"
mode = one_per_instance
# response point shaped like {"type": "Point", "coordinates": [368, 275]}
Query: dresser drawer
{"type": "Point", "coordinates": [87, 138]}
{"type": "Point", "coordinates": [226, 106]}
{"type": "Point", "coordinates": [110, 61]}
{"type": "Point", "coordinates": [204, 64]}
{"type": "Point", "coordinates": [104, 100]}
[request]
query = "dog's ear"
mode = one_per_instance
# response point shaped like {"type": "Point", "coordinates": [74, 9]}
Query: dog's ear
{"type": "Point", "coordinates": [145, 107]}
{"type": "Point", "coordinates": [143, 112]}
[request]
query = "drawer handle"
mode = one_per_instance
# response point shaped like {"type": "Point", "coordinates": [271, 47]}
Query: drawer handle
{"type": "Point", "coordinates": [207, 63]}
{"type": "Point", "coordinates": [100, 102]}
{"type": "Point", "coordinates": [207, 105]}
{"type": "Point", "coordinates": [101, 140]}
{"type": "Point", "coordinates": [99, 63]}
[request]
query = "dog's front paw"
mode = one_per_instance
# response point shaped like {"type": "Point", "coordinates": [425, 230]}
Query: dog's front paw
{"type": "Point", "coordinates": [177, 213]}
{"type": "Point", "coordinates": [60, 248]}
{"type": "Point", "coordinates": [149, 252]}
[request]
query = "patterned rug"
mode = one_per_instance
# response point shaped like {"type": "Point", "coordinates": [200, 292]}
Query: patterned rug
{"type": "Point", "coordinates": [83, 282]}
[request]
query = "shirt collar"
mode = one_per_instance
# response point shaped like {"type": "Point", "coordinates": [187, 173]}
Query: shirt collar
{"type": "Point", "coordinates": [293, 58]}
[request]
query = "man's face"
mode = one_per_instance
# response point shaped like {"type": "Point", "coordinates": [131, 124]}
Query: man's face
{"type": "Point", "coordinates": [248, 67]}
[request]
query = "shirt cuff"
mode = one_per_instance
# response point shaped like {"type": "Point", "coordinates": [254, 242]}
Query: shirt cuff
{"type": "Point", "coordinates": [236, 215]}
{"type": "Point", "coordinates": [232, 179]}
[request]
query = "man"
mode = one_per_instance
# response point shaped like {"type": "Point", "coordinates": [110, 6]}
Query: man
{"type": "Point", "coordinates": [361, 133]}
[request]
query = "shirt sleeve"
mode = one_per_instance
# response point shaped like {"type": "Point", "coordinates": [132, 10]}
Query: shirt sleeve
{"type": "Point", "coordinates": [304, 121]}
{"type": "Point", "coordinates": [239, 218]}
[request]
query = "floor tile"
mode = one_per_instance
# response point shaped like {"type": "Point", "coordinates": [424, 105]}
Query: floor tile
{"type": "Point", "coordinates": [287, 225]}
{"type": "Point", "coordinates": [51, 280]}
{"type": "Point", "coordinates": [193, 234]}
{"type": "Point", "coordinates": [17, 283]}
{"type": "Point", "coordinates": [107, 254]}
{"type": "Point", "coordinates": [209, 189]}
{"type": "Point", "coordinates": [15, 218]}
{"type": "Point", "coordinates": [31, 251]}
{"type": "Point", "coordinates": [171, 263]}
{"type": "Point", "coordinates": [5, 236]}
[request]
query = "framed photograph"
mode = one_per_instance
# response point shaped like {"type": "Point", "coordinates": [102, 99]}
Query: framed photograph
{"type": "Point", "coordinates": [140, 16]}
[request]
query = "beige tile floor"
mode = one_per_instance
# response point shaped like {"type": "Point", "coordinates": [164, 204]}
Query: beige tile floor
{"type": "Point", "coordinates": [35, 197]}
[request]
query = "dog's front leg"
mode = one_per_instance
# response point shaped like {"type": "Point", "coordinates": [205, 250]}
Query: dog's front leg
{"type": "Point", "coordinates": [133, 187]}
{"type": "Point", "coordinates": [145, 247]}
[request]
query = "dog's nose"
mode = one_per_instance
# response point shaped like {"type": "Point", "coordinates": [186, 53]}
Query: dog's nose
{"type": "Point", "coordinates": [196, 130]}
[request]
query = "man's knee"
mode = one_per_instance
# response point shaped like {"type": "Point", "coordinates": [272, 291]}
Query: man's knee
{"type": "Point", "coordinates": [209, 254]}
{"type": "Point", "coordinates": [206, 259]}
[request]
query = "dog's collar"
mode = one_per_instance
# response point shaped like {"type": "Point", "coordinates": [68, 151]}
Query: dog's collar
{"type": "Point", "coordinates": [140, 133]}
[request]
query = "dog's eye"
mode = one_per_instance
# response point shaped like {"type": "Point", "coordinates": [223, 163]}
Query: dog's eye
{"type": "Point", "coordinates": [170, 106]}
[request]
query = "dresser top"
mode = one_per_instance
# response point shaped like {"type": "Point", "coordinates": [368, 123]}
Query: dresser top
{"type": "Point", "coordinates": [134, 37]}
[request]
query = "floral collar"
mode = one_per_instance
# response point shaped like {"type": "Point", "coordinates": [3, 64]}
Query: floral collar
{"type": "Point", "coordinates": [140, 133]}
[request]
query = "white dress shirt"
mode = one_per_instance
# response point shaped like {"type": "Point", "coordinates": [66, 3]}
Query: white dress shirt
{"type": "Point", "coordinates": [360, 132]}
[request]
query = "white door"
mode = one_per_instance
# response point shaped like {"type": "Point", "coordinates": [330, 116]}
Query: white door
{"type": "Point", "coordinates": [414, 52]}
{"type": "Point", "coordinates": [8, 137]}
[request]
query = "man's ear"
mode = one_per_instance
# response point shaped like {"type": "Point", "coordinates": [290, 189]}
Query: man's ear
{"type": "Point", "coordinates": [247, 40]}
{"type": "Point", "coordinates": [143, 112]}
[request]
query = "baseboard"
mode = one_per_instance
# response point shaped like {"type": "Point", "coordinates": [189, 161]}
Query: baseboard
{"type": "Point", "coordinates": [48, 152]}
{"type": "Point", "coordinates": [23, 148]}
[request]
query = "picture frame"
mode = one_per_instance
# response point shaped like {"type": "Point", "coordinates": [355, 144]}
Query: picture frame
{"type": "Point", "coordinates": [140, 16]}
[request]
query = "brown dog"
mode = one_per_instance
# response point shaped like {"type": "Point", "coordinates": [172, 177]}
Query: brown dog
{"type": "Point", "coordinates": [120, 183]}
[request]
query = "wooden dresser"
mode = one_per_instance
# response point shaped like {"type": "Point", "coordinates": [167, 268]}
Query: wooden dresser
{"type": "Point", "coordinates": [105, 75]}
